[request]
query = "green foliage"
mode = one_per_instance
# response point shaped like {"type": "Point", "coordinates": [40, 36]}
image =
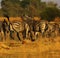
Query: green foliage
{"type": "Point", "coordinates": [1, 13]}
{"type": "Point", "coordinates": [17, 7]}
{"type": "Point", "coordinates": [50, 13]}
{"type": "Point", "coordinates": [30, 7]}
{"type": "Point", "coordinates": [10, 7]}
{"type": "Point", "coordinates": [24, 3]}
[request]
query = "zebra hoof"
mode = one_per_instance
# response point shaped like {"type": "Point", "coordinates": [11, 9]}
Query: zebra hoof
{"type": "Point", "coordinates": [32, 39]}
{"type": "Point", "coordinates": [23, 42]}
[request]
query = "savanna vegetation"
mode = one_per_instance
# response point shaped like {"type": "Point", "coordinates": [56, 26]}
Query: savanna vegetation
{"type": "Point", "coordinates": [16, 8]}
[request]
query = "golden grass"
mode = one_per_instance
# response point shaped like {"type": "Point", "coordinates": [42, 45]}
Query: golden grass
{"type": "Point", "coordinates": [41, 48]}
{"type": "Point", "coordinates": [11, 19]}
{"type": "Point", "coordinates": [17, 18]}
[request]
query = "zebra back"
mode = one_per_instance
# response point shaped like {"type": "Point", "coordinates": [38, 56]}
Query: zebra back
{"type": "Point", "coordinates": [18, 26]}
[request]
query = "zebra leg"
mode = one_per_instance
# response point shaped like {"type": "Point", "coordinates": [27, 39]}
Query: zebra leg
{"type": "Point", "coordinates": [18, 36]}
{"type": "Point", "coordinates": [4, 34]}
{"type": "Point", "coordinates": [11, 32]}
{"type": "Point", "coordinates": [36, 35]}
{"type": "Point", "coordinates": [1, 36]}
{"type": "Point", "coordinates": [24, 34]}
{"type": "Point", "coordinates": [27, 34]}
{"type": "Point", "coordinates": [43, 35]}
{"type": "Point", "coordinates": [47, 34]}
{"type": "Point", "coordinates": [53, 35]}
{"type": "Point", "coordinates": [32, 36]}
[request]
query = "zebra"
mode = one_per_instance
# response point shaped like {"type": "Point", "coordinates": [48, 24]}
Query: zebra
{"type": "Point", "coordinates": [10, 29]}
{"type": "Point", "coordinates": [14, 27]}
{"type": "Point", "coordinates": [32, 27]}
{"type": "Point", "coordinates": [5, 28]}
{"type": "Point", "coordinates": [37, 30]}
{"type": "Point", "coordinates": [52, 28]}
{"type": "Point", "coordinates": [43, 26]}
{"type": "Point", "coordinates": [20, 28]}
{"type": "Point", "coordinates": [1, 31]}
{"type": "Point", "coordinates": [58, 24]}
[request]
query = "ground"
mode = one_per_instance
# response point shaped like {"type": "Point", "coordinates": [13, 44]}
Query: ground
{"type": "Point", "coordinates": [41, 48]}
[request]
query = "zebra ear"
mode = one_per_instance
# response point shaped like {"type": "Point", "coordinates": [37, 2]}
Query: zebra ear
{"type": "Point", "coordinates": [7, 17]}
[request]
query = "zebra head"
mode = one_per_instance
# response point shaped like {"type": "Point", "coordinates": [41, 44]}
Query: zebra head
{"type": "Point", "coordinates": [43, 26]}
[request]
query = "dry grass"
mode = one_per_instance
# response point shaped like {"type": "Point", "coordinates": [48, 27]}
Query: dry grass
{"type": "Point", "coordinates": [17, 18]}
{"type": "Point", "coordinates": [41, 48]}
{"type": "Point", "coordinates": [11, 19]}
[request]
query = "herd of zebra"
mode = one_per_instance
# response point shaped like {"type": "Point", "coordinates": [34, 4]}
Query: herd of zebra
{"type": "Point", "coordinates": [29, 29]}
